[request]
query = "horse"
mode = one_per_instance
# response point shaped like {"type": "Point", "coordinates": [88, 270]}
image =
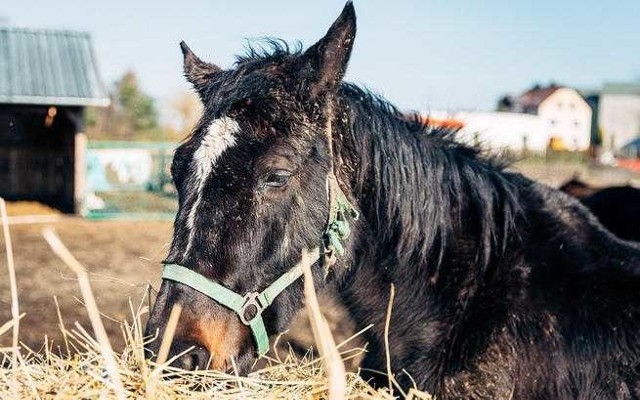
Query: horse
{"type": "Point", "coordinates": [577, 188]}
{"type": "Point", "coordinates": [504, 287]}
{"type": "Point", "coordinates": [616, 207]}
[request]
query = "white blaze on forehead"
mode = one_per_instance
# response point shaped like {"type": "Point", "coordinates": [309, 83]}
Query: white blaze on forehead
{"type": "Point", "coordinates": [218, 138]}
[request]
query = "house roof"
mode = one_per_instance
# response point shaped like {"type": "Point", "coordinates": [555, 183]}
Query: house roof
{"type": "Point", "coordinates": [621, 88]}
{"type": "Point", "coordinates": [49, 67]}
{"type": "Point", "coordinates": [532, 98]}
{"type": "Point", "coordinates": [445, 123]}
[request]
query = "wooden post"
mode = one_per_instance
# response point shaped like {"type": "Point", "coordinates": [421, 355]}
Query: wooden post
{"type": "Point", "coordinates": [79, 172]}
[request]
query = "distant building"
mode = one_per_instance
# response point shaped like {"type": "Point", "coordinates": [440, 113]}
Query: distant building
{"type": "Point", "coordinates": [46, 79]}
{"type": "Point", "coordinates": [619, 114]}
{"type": "Point", "coordinates": [592, 97]}
{"type": "Point", "coordinates": [504, 131]}
{"type": "Point", "coordinates": [564, 112]}
{"type": "Point", "coordinates": [631, 149]}
{"type": "Point", "coordinates": [496, 131]}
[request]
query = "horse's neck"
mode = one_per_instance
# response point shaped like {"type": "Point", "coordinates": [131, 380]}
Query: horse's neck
{"type": "Point", "coordinates": [420, 192]}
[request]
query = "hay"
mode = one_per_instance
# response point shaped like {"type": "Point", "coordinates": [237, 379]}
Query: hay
{"type": "Point", "coordinates": [52, 374]}
{"type": "Point", "coordinates": [29, 208]}
{"type": "Point", "coordinates": [84, 366]}
{"type": "Point", "coordinates": [56, 373]}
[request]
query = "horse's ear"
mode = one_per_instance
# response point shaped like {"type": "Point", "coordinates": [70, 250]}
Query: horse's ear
{"type": "Point", "coordinates": [325, 63]}
{"type": "Point", "coordinates": [197, 72]}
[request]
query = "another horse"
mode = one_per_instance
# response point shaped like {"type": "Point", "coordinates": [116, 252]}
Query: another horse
{"type": "Point", "coordinates": [616, 207]}
{"type": "Point", "coordinates": [505, 288]}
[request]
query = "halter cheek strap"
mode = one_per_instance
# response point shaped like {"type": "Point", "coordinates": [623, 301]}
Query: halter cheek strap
{"type": "Point", "coordinates": [248, 307]}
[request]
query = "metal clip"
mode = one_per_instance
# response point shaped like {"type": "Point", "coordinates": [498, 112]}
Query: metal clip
{"type": "Point", "coordinates": [250, 300]}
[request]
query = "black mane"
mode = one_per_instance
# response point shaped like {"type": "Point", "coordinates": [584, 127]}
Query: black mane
{"type": "Point", "coordinates": [268, 50]}
{"type": "Point", "coordinates": [433, 172]}
{"type": "Point", "coordinates": [405, 155]}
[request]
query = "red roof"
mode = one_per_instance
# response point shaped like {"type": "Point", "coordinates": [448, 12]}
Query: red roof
{"type": "Point", "coordinates": [632, 164]}
{"type": "Point", "coordinates": [532, 98]}
{"type": "Point", "coordinates": [447, 123]}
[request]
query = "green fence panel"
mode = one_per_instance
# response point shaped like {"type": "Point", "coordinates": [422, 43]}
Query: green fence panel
{"type": "Point", "coordinates": [129, 180]}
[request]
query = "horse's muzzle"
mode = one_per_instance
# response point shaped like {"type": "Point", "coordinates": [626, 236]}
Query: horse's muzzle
{"type": "Point", "coordinates": [189, 356]}
{"type": "Point", "coordinates": [222, 343]}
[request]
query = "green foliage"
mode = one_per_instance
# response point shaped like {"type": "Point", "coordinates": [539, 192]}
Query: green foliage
{"type": "Point", "coordinates": [132, 115]}
{"type": "Point", "coordinates": [91, 117]}
{"type": "Point", "coordinates": [138, 107]}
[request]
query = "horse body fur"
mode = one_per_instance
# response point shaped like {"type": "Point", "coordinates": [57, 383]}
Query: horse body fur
{"type": "Point", "coordinates": [616, 207]}
{"type": "Point", "coordinates": [519, 293]}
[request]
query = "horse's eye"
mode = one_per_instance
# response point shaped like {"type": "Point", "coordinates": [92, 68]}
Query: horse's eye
{"type": "Point", "coordinates": [278, 178]}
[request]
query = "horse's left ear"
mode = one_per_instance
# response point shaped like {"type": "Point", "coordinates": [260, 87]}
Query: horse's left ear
{"type": "Point", "coordinates": [325, 63]}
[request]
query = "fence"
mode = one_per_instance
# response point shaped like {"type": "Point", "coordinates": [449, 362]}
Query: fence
{"type": "Point", "coordinates": [129, 180]}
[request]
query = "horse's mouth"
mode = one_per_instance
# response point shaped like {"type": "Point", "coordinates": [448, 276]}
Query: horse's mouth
{"type": "Point", "coordinates": [240, 364]}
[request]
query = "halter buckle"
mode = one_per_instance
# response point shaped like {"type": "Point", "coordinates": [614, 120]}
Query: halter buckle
{"type": "Point", "coordinates": [250, 300]}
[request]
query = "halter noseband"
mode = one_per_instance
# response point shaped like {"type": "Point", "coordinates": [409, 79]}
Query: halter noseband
{"type": "Point", "coordinates": [248, 307]}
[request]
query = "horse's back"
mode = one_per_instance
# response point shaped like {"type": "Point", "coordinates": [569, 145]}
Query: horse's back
{"type": "Point", "coordinates": [618, 208]}
{"type": "Point", "coordinates": [582, 336]}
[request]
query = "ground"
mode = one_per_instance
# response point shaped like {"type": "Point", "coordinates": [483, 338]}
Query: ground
{"type": "Point", "coordinates": [121, 257]}
{"type": "Point", "coordinates": [124, 256]}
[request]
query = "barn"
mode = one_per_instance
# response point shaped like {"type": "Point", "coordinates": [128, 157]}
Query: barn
{"type": "Point", "coordinates": [47, 78]}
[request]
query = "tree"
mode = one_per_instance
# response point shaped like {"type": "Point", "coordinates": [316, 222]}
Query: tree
{"type": "Point", "coordinates": [137, 106]}
{"type": "Point", "coordinates": [132, 114]}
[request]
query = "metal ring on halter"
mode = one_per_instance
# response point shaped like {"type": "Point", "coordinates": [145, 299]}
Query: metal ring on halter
{"type": "Point", "coordinates": [250, 300]}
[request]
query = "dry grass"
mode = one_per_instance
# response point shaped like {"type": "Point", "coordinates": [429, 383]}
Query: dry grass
{"type": "Point", "coordinates": [87, 367]}
{"type": "Point", "coordinates": [53, 374]}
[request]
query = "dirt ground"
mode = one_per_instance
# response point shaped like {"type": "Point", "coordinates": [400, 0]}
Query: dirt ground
{"type": "Point", "coordinates": [123, 256]}
{"type": "Point", "coordinates": [556, 173]}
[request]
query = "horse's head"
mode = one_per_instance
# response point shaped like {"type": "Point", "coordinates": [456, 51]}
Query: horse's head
{"type": "Point", "coordinates": [252, 185]}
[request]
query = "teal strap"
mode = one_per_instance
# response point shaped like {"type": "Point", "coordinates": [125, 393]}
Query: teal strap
{"type": "Point", "coordinates": [252, 303]}
{"type": "Point", "coordinates": [228, 298]}
{"type": "Point", "coordinates": [270, 293]}
{"type": "Point", "coordinates": [340, 211]}
{"type": "Point", "coordinates": [221, 294]}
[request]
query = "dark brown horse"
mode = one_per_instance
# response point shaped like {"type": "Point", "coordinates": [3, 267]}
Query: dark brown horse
{"type": "Point", "coordinates": [616, 207]}
{"type": "Point", "coordinates": [505, 288]}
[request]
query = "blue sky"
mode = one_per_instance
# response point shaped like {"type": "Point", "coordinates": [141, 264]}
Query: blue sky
{"type": "Point", "coordinates": [421, 55]}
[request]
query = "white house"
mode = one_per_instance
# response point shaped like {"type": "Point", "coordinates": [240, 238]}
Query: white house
{"type": "Point", "coordinates": [564, 112]}
{"type": "Point", "coordinates": [619, 114]}
{"type": "Point", "coordinates": [568, 118]}
{"type": "Point", "coordinates": [504, 130]}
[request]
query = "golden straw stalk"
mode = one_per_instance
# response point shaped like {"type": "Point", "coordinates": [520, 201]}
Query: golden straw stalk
{"type": "Point", "coordinates": [92, 308]}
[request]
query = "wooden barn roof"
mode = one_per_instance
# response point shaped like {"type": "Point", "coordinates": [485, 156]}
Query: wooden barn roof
{"type": "Point", "coordinates": [49, 67]}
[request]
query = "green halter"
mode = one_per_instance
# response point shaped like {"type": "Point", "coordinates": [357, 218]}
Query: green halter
{"type": "Point", "coordinates": [250, 306]}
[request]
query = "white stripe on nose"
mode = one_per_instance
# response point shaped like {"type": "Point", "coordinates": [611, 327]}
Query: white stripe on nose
{"type": "Point", "coordinates": [219, 137]}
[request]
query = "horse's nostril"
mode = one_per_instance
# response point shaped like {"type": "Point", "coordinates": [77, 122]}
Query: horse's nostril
{"type": "Point", "coordinates": [196, 359]}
